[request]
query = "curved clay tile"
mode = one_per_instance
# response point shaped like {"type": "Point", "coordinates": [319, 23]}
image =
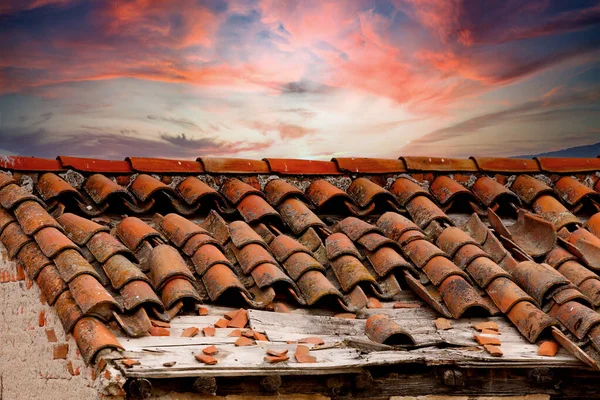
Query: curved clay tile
{"type": "Point", "coordinates": [33, 217]}
{"type": "Point", "coordinates": [179, 229]}
{"type": "Point", "coordinates": [145, 186]}
{"type": "Point", "coordinates": [537, 279]}
{"type": "Point", "coordinates": [554, 212]}
{"type": "Point", "coordinates": [406, 189]}
{"type": "Point", "coordinates": [138, 292]}
{"type": "Point", "coordinates": [255, 208]}
{"type": "Point", "coordinates": [164, 166]}
{"type": "Point", "coordinates": [92, 298]}
{"type": "Point", "coordinates": [80, 229]}
{"type": "Point", "coordinates": [315, 287]}
{"type": "Point", "coordinates": [574, 192]}
{"type": "Point", "coordinates": [52, 241]}
{"type": "Point", "coordinates": [267, 274]}
{"type": "Point", "coordinates": [355, 228]}
{"type": "Point", "coordinates": [236, 190]}
{"type": "Point", "coordinates": [32, 259]}
{"type": "Point", "coordinates": [251, 255]}
{"type": "Point", "coordinates": [208, 256]}
{"type": "Point", "coordinates": [14, 239]}
{"type": "Point", "coordinates": [421, 251]}
{"type": "Point", "coordinates": [529, 188]}
{"type": "Point", "coordinates": [52, 186]}
{"type": "Point", "coordinates": [493, 194]}
{"type": "Point", "coordinates": [321, 192]}
{"type": "Point", "coordinates": [284, 246]}
{"type": "Point", "coordinates": [219, 278]}
{"type": "Point", "coordinates": [12, 195]}
{"type": "Point", "coordinates": [6, 180]}
{"type": "Point", "coordinates": [92, 336]}
{"type": "Point", "coordinates": [506, 294]}
{"type": "Point", "coordinates": [460, 297]}
{"type": "Point", "coordinates": [338, 244]}
{"type": "Point", "coordinates": [50, 283]}
{"type": "Point", "coordinates": [103, 246]}
{"type": "Point", "coordinates": [242, 234]}
{"type": "Point", "coordinates": [468, 253]}
{"type": "Point", "coordinates": [298, 264]}
{"type": "Point", "coordinates": [101, 188]}
{"type": "Point", "coordinates": [177, 289]}
{"type": "Point", "coordinates": [5, 219]}
{"type": "Point", "coordinates": [298, 216]}
{"type": "Point", "coordinates": [446, 191]}
{"type": "Point", "coordinates": [195, 242]}
{"type": "Point", "coordinates": [452, 239]}
{"type": "Point", "coordinates": [70, 264]}
{"type": "Point", "coordinates": [362, 165]}
{"type": "Point", "coordinates": [576, 317]}
{"type": "Point", "coordinates": [121, 271]}
{"type": "Point", "coordinates": [394, 225]}
{"type": "Point", "coordinates": [365, 192]}
{"type": "Point", "coordinates": [484, 271]}
{"type": "Point", "coordinates": [530, 320]}
{"type": "Point", "coordinates": [278, 190]}
{"type": "Point", "coordinates": [68, 311]}
{"type": "Point", "coordinates": [132, 231]}
{"type": "Point", "coordinates": [165, 263]}
{"type": "Point", "coordinates": [382, 329]}
{"type": "Point", "coordinates": [373, 241]}
{"type": "Point", "coordinates": [424, 211]}
{"type": "Point", "coordinates": [385, 260]}
{"type": "Point", "coordinates": [439, 268]}
{"type": "Point", "coordinates": [194, 191]}
{"type": "Point", "coordinates": [350, 272]}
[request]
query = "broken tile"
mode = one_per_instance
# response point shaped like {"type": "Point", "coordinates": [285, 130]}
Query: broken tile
{"type": "Point", "coordinates": [129, 363]}
{"type": "Point", "coordinates": [244, 341]}
{"type": "Point", "coordinates": [239, 320]}
{"type": "Point", "coordinates": [490, 332]}
{"type": "Point", "coordinates": [345, 315]}
{"type": "Point", "coordinates": [169, 364]}
{"type": "Point", "coordinates": [231, 314]}
{"type": "Point", "coordinates": [235, 333]}
{"type": "Point", "coordinates": [208, 331]}
{"type": "Point", "coordinates": [277, 353]}
{"type": "Point", "coordinates": [208, 360]}
{"type": "Point", "coordinates": [202, 311]}
{"type": "Point", "coordinates": [280, 307]}
{"type": "Point", "coordinates": [210, 350]}
{"type": "Point", "coordinates": [312, 340]}
{"type": "Point", "coordinates": [373, 303]}
{"type": "Point", "coordinates": [548, 349]}
{"type": "Point", "coordinates": [190, 332]}
{"type": "Point", "coordinates": [493, 350]}
{"type": "Point", "coordinates": [160, 324]}
{"type": "Point", "coordinates": [483, 340]}
{"type": "Point", "coordinates": [274, 360]}
{"type": "Point", "coordinates": [260, 336]}
{"type": "Point", "coordinates": [486, 325]}
{"type": "Point", "coordinates": [303, 355]}
{"type": "Point", "coordinates": [442, 324]}
{"type": "Point", "coordinates": [222, 323]}
{"type": "Point", "coordinates": [159, 331]}
{"type": "Point", "coordinates": [249, 333]}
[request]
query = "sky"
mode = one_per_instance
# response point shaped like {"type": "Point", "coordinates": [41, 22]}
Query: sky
{"type": "Point", "coordinates": [299, 79]}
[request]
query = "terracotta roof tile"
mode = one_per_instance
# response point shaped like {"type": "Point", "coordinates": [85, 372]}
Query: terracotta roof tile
{"type": "Point", "coordinates": [298, 216]}
{"type": "Point", "coordinates": [70, 264]}
{"type": "Point", "coordinates": [92, 336]}
{"type": "Point", "coordinates": [165, 263]}
{"type": "Point", "coordinates": [573, 192]}
{"type": "Point", "coordinates": [568, 165]}
{"type": "Point", "coordinates": [132, 231]}
{"type": "Point", "coordinates": [178, 289]}
{"type": "Point", "coordinates": [80, 230]}
{"type": "Point", "coordinates": [32, 259]}
{"type": "Point", "coordinates": [145, 186]}
{"type": "Point", "coordinates": [166, 166]}
{"type": "Point", "coordinates": [289, 166]}
{"type": "Point", "coordinates": [438, 164]}
{"type": "Point", "coordinates": [529, 188]}
{"type": "Point", "coordinates": [14, 239]}
{"type": "Point", "coordinates": [382, 329]}
{"type": "Point", "coordinates": [234, 165]}
{"type": "Point", "coordinates": [50, 283]}
{"type": "Point", "coordinates": [68, 311]}
{"type": "Point", "coordinates": [511, 165]}
{"type": "Point", "coordinates": [95, 165]}
{"type": "Point", "coordinates": [12, 195]}
{"type": "Point", "coordinates": [52, 186]}
{"type": "Point", "coordinates": [137, 293]}
{"type": "Point", "coordinates": [291, 252]}
{"type": "Point", "coordinates": [359, 165]}
{"type": "Point", "coordinates": [34, 164]}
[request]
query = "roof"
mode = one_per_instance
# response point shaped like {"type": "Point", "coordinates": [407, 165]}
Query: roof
{"type": "Point", "coordinates": [369, 252]}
